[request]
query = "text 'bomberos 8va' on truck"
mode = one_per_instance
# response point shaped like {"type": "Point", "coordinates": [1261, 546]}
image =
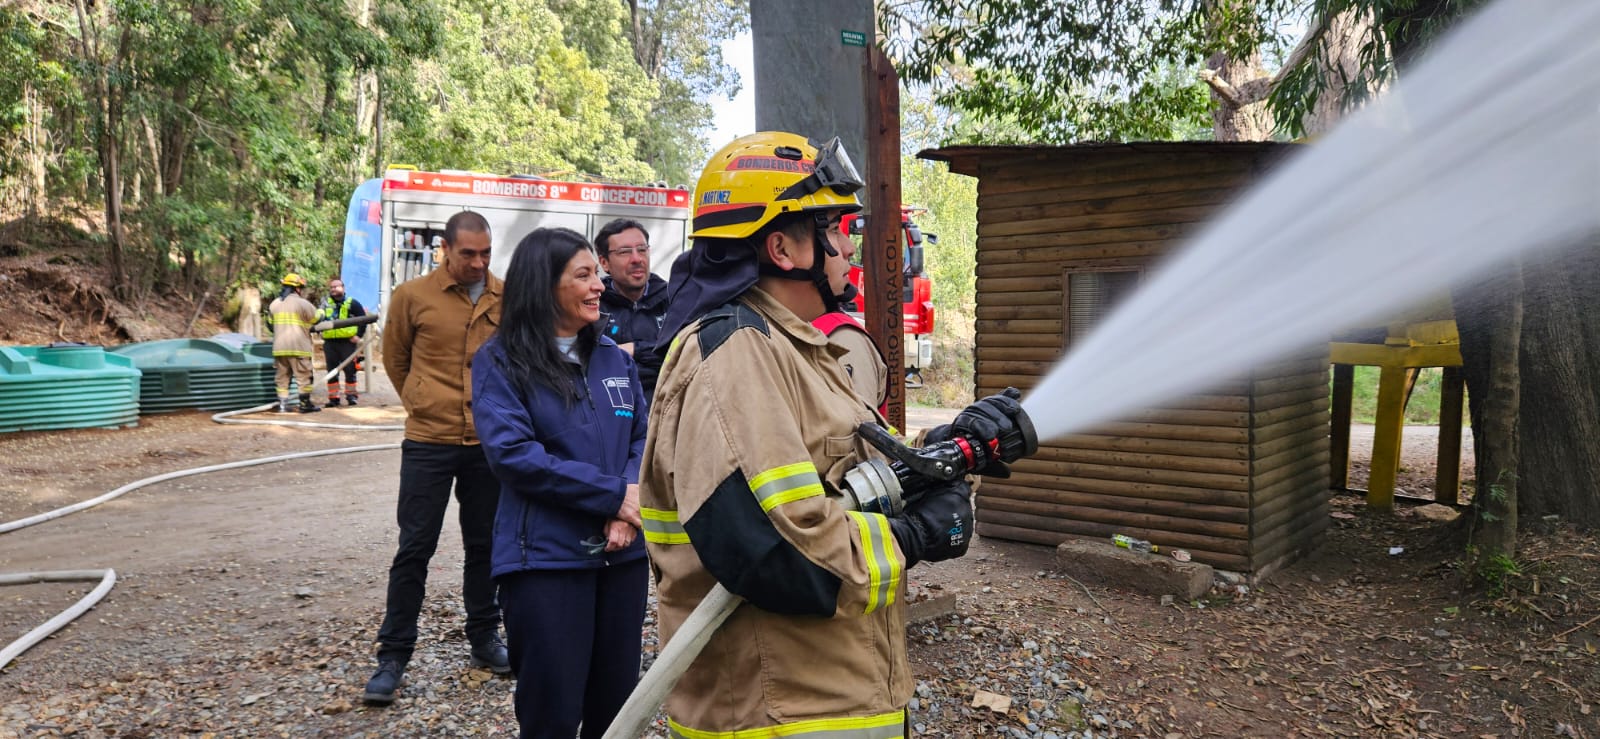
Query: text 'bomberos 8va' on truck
{"type": "Point", "coordinates": [395, 224]}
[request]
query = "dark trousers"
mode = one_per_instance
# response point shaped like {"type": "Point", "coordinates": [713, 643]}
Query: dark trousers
{"type": "Point", "coordinates": [336, 351]}
{"type": "Point", "coordinates": [574, 639]}
{"type": "Point", "coordinates": [427, 473]}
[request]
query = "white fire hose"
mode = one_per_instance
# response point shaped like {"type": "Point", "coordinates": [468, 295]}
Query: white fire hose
{"type": "Point", "coordinates": [108, 577]}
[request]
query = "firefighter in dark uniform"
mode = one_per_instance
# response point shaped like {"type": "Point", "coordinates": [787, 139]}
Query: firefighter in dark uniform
{"type": "Point", "coordinates": [339, 343]}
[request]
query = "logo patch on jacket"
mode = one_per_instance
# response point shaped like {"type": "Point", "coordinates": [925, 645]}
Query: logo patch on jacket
{"type": "Point", "coordinates": [619, 391]}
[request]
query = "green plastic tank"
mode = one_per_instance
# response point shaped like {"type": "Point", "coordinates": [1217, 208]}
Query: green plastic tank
{"type": "Point", "coordinates": [204, 374]}
{"type": "Point", "coordinates": [66, 387]}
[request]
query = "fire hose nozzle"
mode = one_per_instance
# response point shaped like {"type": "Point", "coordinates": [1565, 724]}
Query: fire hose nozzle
{"type": "Point", "coordinates": [880, 487]}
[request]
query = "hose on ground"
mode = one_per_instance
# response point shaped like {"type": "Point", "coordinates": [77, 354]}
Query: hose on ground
{"type": "Point", "coordinates": [108, 577]}
{"type": "Point", "coordinates": [672, 662]}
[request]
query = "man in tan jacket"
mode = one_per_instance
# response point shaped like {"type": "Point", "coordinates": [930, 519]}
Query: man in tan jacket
{"type": "Point", "coordinates": [434, 325]}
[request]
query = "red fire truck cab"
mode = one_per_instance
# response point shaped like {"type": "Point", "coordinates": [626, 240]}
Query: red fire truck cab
{"type": "Point", "coordinates": [917, 296]}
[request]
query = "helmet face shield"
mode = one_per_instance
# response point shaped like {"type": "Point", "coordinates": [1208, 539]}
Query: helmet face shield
{"type": "Point", "coordinates": [834, 168]}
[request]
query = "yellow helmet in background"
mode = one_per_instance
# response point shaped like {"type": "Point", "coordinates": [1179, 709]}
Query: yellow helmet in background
{"type": "Point", "coordinates": [294, 280]}
{"type": "Point", "coordinates": [764, 175]}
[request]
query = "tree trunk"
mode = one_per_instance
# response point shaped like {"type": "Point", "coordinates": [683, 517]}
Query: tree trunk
{"type": "Point", "coordinates": [1490, 318]}
{"type": "Point", "coordinates": [377, 131]}
{"type": "Point", "coordinates": [330, 96]}
{"type": "Point", "coordinates": [1231, 120]}
{"type": "Point", "coordinates": [1559, 424]}
{"type": "Point", "coordinates": [106, 97]}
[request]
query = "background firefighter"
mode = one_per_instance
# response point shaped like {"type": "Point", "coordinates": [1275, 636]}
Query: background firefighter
{"type": "Point", "coordinates": [339, 343]}
{"type": "Point", "coordinates": [290, 317]}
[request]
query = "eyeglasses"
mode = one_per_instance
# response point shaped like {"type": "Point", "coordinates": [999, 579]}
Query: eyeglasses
{"type": "Point", "coordinates": [626, 252]}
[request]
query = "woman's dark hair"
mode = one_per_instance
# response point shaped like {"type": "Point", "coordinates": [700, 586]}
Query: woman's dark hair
{"type": "Point", "coordinates": [528, 312]}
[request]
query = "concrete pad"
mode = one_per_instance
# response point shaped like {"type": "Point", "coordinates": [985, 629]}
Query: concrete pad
{"type": "Point", "coordinates": [1151, 574]}
{"type": "Point", "coordinates": [932, 609]}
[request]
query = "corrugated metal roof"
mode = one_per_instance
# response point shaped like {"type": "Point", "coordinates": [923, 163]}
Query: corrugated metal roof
{"type": "Point", "coordinates": [965, 159]}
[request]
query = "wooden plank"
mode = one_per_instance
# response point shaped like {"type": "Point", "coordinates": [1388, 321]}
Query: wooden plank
{"type": "Point", "coordinates": [1041, 257]}
{"type": "Point", "coordinates": [1018, 353]}
{"type": "Point", "coordinates": [1190, 418]}
{"type": "Point", "coordinates": [1067, 496]}
{"type": "Point", "coordinates": [998, 338]}
{"type": "Point", "coordinates": [1028, 269]}
{"type": "Point", "coordinates": [1386, 436]}
{"type": "Point", "coordinates": [1023, 312]}
{"type": "Point", "coordinates": [1070, 224]}
{"type": "Point", "coordinates": [1134, 474]}
{"type": "Point", "coordinates": [1304, 437]}
{"type": "Point", "coordinates": [1176, 462]}
{"type": "Point", "coordinates": [1267, 493]}
{"type": "Point", "coordinates": [1318, 458]}
{"type": "Point", "coordinates": [1169, 431]}
{"type": "Point", "coordinates": [1209, 175]}
{"type": "Point", "coordinates": [1050, 280]}
{"type": "Point", "coordinates": [1289, 427]}
{"type": "Point", "coordinates": [1133, 202]}
{"type": "Point", "coordinates": [1020, 326]}
{"type": "Point", "coordinates": [1120, 519]}
{"type": "Point", "coordinates": [1104, 531]}
{"type": "Point", "coordinates": [1040, 297]}
{"type": "Point", "coordinates": [1284, 549]}
{"type": "Point", "coordinates": [1291, 365]}
{"type": "Point", "coordinates": [1210, 450]}
{"type": "Point", "coordinates": [1125, 489]}
{"type": "Point", "coordinates": [1002, 178]}
{"type": "Point", "coordinates": [1284, 413]}
{"type": "Point", "coordinates": [1274, 401]}
{"type": "Point", "coordinates": [1302, 531]}
{"type": "Point", "coordinates": [1169, 232]}
{"type": "Point", "coordinates": [1272, 385]}
{"type": "Point", "coordinates": [1285, 507]}
{"type": "Point", "coordinates": [1054, 538]}
{"type": "Point", "coordinates": [1001, 382]}
{"type": "Point", "coordinates": [1447, 477]}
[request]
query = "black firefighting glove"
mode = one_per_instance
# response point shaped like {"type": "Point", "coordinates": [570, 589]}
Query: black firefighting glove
{"type": "Point", "coordinates": [983, 422]}
{"type": "Point", "coordinates": [937, 526]}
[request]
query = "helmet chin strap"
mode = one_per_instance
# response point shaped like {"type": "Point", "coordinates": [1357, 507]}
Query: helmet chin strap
{"type": "Point", "coordinates": [817, 275]}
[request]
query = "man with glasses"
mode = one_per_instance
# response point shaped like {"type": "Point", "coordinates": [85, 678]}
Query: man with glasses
{"type": "Point", "coordinates": [635, 301]}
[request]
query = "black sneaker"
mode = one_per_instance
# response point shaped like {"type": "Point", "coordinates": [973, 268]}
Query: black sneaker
{"type": "Point", "coordinates": [385, 682]}
{"type": "Point", "coordinates": [490, 652]}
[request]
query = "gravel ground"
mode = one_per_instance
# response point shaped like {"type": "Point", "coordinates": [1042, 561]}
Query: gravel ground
{"type": "Point", "coordinates": [248, 601]}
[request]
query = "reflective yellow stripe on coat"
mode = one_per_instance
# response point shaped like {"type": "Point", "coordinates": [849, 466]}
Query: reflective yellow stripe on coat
{"type": "Point", "coordinates": [785, 484]}
{"type": "Point", "coordinates": [882, 566]}
{"type": "Point", "coordinates": [882, 726]}
{"type": "Point", "coordinates": [662, 527]}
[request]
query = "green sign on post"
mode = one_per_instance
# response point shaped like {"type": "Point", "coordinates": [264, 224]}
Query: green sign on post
{"type": "Point", "coordinates": [852, 38]}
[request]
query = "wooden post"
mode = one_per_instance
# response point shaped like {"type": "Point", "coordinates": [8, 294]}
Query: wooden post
{"type": "Point", "coordinates": [1447, 481]}
{"type": "Point", "coordinates": [882, 280]}
{"type": "Point", "coordinates": [1344, 378]}
{"type": "Point", "coordinates": [1390, 424]}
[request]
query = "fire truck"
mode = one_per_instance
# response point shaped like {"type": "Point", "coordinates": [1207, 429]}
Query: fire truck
{"type": "Point", "coordinates": [917, 298]}
{"type": "Point", "coordinates": [395, 224]}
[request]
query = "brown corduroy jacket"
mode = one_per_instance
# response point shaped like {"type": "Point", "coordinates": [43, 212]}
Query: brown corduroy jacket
{"type": "Point", "coordinates": [430, 333]}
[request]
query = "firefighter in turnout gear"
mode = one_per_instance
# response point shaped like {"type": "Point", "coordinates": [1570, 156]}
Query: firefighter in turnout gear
{"type": "Point", "coordinates": [752, 430]}
{"type": "Point", "coordinates": [339, 343]}
{"type": "Point", "coordinates": [291, 318]}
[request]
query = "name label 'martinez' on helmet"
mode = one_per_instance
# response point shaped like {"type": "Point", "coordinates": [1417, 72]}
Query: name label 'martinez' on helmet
{"type": "Point", "coordinates": [758, 177]}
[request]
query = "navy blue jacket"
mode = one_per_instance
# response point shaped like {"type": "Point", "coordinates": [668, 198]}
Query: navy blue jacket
{"type": "Point", "coordinates": [563, 466]}
{"type": "Point", "coordinates": [624, 321]}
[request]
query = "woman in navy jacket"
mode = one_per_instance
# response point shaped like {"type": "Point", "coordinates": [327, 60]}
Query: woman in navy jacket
{"type": "Point", "coordinates": [561, 417]}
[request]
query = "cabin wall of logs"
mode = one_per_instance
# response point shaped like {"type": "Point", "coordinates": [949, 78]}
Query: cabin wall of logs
{"type": "Point", "coordinates": [1236, 475]}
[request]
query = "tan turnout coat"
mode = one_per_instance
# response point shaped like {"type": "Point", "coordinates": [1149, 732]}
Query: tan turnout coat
{"type": "Point", "coordinates": [752, 429]}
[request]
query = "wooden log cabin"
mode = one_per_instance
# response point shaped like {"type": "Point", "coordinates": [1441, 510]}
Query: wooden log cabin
{"type": "Point", "coordinates": [1238, 475]}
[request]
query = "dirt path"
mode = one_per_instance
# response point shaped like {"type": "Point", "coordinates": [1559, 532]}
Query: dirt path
{"type": "Point", "coordinates": [248, 601]}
